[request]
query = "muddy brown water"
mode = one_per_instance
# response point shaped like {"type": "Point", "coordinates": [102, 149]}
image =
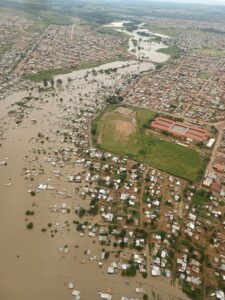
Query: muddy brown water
{"type": "Point", "coordinates": [32, 267]}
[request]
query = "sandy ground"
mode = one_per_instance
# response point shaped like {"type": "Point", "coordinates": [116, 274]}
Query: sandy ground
{"type": "Point", "coordinates": [124, 128]}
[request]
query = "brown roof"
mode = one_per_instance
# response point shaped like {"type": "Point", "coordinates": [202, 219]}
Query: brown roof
{"type": "Point", "coordinates": [220, 160]}
{"type": "Point", "coordinates": [216, 187]}
{"type": "Point", "coordinates": [219, 167]}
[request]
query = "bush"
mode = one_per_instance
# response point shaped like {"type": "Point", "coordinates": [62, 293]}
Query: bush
{"type": "Point", "coordinates": [79, 227]}
{"type": "Point", "coordinates": [146, 125]}
{"type": "Point", "coordinates": [30, 225]}
{"type": "Point", "coordinates": [131, 271]}
{"type": "Point", "coordinates": [193, 293]}
{"type": "Point", "coordinates": [93, 210]}
{"type": "Point", "coordinates": [93, 131]}
{"type": "Point", "coordinates": [81, 212]}
{"type": "Point", "coordinates": [114, 99]}
{"type": "Point", "coordinates": [29, 213]}
{"type": "Point", "coordinates": [145, 274]}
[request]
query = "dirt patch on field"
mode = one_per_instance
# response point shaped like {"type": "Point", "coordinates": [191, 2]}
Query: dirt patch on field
{"type": "Point", "coordinates": [127, 112]}
{"type": "Point", "coordinates": [124, 111]}
{"type": "Point", "coordinates": [123, 128]}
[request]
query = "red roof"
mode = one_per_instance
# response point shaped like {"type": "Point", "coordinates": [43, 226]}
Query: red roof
{"type": "Point", "coordinates": [216, 187]}
{"type": "Point", "coordinates": [219, 167]}
{"type": "Point", "coordinates": [181, 129]}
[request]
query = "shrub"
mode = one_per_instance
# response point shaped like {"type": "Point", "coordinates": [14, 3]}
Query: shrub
{"type": "Point", "coordinates": [145, 274]}
{"type": "Point", "coordinates": [29, 213]}
{"type": "Point", "coordinates": [131, 271]}
{"type": "Point", "coordinates": [30, 225]}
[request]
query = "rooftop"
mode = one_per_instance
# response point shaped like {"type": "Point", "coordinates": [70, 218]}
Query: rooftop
{"type": "Point", "coordinates": [181, 129]}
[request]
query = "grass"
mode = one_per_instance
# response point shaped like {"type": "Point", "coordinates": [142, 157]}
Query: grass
{"type": "Point", "coordinates": [170, 31]}
{"type": "Point", "coordinates": [200, 199]}
{"type": "Point", "coordinates": [210, 52]}
{"type": "Point", "coordinates": [110, 31]}
{"type": "Point", "coordinates": [49, 74]}
{"type": "Point", "coordinates": [193, 293]}
{"type": "Point", "coordinates": [174, 31]}
{"type": "Point", "coordinates": [173, 51]}
{"type": "Point", "coordinates": [204, 75]}
{"type": "Point", "coordinates": [142, 146]}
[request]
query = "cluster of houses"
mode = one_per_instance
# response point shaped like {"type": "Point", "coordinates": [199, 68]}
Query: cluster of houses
{"type": "Point", "coordinates": [215, 174]}
{"type": "Point", "coordinates": [184, 90]}
{"type": "Point", "coordinates": [156, 223]}
{"type": "Point", "coordinates": [112, 182]}
{"type": "Point", "coordinates": [119, 202]}
{"type": "Point", "coordinates": [219, 163]}
{"type": "Point", "coordinates": [67, 46]}
{"type": "Point", "coordinates": [194, 86]}
{"type": "Point", "coordinates": [26, 51]}
{"type": "Point", "coordinates": [15, 37]}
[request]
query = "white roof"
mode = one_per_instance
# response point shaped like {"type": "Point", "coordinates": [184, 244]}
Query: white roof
{"type": "Point", "coordinates": [75, 293]}
{"type": "Point", "coordinates": [110, 270]}
{"type": "Point", "coordinates": [210, 143]}
{"type": "Point", "coordinates": [105, 296]}
{"type": "Point", "coordinates": [220, 295]}
{"type": "Point", "coordinates": [70, 285]}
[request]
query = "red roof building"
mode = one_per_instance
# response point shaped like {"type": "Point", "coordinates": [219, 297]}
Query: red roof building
{"type": "Point", "coordinates": [216, 187]}
{"type": "Point", "coordinates": [219, 167]}
{"type": "Point", "coordinates": [180, 129]}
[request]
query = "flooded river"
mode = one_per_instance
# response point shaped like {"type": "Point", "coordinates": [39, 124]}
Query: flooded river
{"type": "Point", "coordinates": [144, 44]}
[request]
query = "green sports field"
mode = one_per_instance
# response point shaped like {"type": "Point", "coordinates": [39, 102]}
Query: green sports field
{"type": "Point", "coordinates": [127, 135]}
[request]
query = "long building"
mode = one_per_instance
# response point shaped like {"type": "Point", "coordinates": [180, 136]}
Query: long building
{"type": "Point", "coordinates": [180, 129]}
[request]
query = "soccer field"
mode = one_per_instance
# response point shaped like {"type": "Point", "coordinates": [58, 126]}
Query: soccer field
{"type": "Point", "coordinates": [125, 134]}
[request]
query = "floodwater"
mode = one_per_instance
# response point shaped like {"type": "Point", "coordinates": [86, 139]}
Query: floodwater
{"type": "Point", "coordinates": [33, 265]}
{"type": "Point", "coordinates": [143, 47]}
{"type": "Point", "coordinates": [6, 105]}
{"type": "Point", "coordinates": [119, 24]}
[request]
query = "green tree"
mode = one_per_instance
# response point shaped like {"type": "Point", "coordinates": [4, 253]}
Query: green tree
{"type": "Point", "coordinates": [45, 82]}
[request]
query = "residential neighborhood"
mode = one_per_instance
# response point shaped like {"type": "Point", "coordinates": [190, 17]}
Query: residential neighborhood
{"type": "Point", "coordinates": [112, 152]}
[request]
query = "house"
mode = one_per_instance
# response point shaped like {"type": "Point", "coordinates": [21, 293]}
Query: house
{"type": "Point", "coordinates": [105, 296]}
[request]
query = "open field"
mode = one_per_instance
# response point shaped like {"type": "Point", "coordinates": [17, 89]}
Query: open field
{"type": "Point", "coordinates": [203, 75]}
{"type": "Point", "coordinates": [171, 31]}
{"type": "Point", "coordinates": [210, 52]}
{"type": "Point", "coordinates": [122, 134]}
{"type": "Point", "coordinates": [173, 51]}
{"type": "Point", "coordinates": [174, 31]}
